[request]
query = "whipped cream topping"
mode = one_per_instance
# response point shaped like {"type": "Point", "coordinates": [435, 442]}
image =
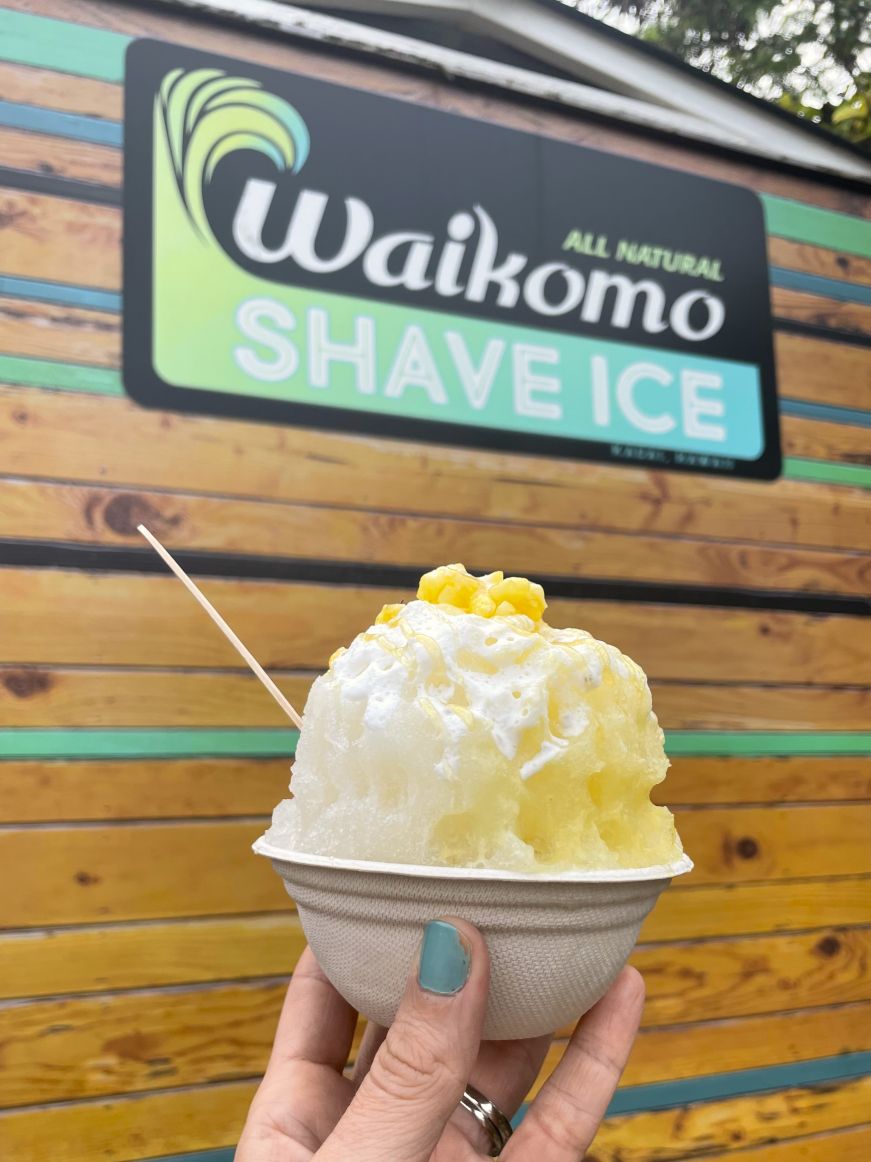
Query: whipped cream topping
{"type": "Point", "coordinates": [516, 679]}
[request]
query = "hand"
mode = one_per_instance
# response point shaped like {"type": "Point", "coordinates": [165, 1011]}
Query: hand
{"type": "Point", "coordinates": [401, 1104]}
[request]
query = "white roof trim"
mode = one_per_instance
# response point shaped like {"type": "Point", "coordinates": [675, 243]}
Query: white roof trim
{"type": "Point", "coordinates": [757, 134]}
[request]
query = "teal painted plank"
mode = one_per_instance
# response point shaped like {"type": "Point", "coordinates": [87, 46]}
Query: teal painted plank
{"type": "Point", "coordinates": [59, 292]}
{"type": "Point", "coordinates": [72, 125]}
{"type": "Point", "coordinates": [802, 223]}
{"type": "Point", "coordinates": [177, 742]}
{"type": "Point", "coordinates": [825, 472]}
{"type": "Point", "coordinates": [156, 743]}
{"type": "Point", "coordinates": [667, 1094]}
{"type": "Point", "coordinates": [225, 1155]}
{"type": "Point", "coordinates": [58, 44]}
{"type": "Point", "coordinates": [767, 742]}
{"type": "Point", "coordinates": [720, 1086]}
{"type": "Point", "coordinates": [831, 414]}
{"type": "Point", "coordinates": [816, 284]}
{"type": "Point", "coordinates": [66, 376]}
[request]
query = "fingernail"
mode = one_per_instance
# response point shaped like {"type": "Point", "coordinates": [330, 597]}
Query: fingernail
{"type": "Point", "coordinates": [444, 959]}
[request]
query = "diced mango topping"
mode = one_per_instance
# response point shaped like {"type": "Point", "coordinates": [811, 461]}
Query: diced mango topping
{"type": "Point", "coordinates": [493, 595]}
{"type": "Point", "coordinates": [388, 613]}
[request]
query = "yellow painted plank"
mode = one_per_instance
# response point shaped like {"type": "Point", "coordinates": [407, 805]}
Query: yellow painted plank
{"type": "Point", "coordinates": [765, 780]}
{"type": "Point", "coordinates": [86, 874]}
{"type": "Point", "coordinates": [742, 909]}
{"type": "Point", "coordinates": [754, 1120]}
{"type": "Point", "coordinates": [842, 1146]}
{"type": "Point", "coordinates": [118, 956]}
{"type": "Point", "coordinates": [668, 1054]}
{"type": "Point", "coordinates": [135, 872]}
{"type": "Point", "coordinates": [151, 621]}
{"type": "Point", "coordinates": [37, 510]}
{"type": "Point", "coordinates": [60, 240]}
{"type": "Point", "coordinates": [815, 440]}
{"type": "Point", "coordinates": [117, 1130]}
{"type": "Point", "coordinates": [754, 974]}
{"type": "Point", "coordinates": [820, 312]}
{"type": "Point", "coordinates": [69, 1049]}
{"type": "Point", "coordinates": [167, 698]}
{"type": "Point", "coordinates": [820, 371]}
{"type": "Point", "coordinates": [60, 697]}
{"type": "Point", "coordinates": [103, 440]}
{"type": "Point", "coordinates": [65, 1050]}
{"type": "Point", "coordinates": [47, 791]}
{"type": "Point", "coordinates": [121, 956]}
{"type": "Point", "coordinates": [69, 334]}
{"type": "Point", "coordinates": [760, 843]}
{"type": "Point", "coordinates": [40, 153]}
{"type": "Point", "coordinates": [818, 260]}
{"type": "Point", "coordinates": [53, 90]}
{"type": "Point", "coordinates": [127, 1129]}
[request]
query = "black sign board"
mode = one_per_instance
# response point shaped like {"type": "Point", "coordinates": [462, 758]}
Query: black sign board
{"type": "Point", "coordinates": [306, 253]}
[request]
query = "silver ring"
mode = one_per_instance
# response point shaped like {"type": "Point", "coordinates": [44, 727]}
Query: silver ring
{"type": "Point", "coordinates": [489, 1117]}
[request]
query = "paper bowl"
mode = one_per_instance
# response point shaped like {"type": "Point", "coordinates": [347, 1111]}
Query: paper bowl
{"type": "Point", "coordinates": [556, 942]}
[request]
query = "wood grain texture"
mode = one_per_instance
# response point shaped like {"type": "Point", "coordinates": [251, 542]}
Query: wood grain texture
{"type": "Point", "coordinates": [120, 956]}
{"type": "Point", "coordinates": [765, 780]}
{"type": "Point", "coordinates": [818, 260]}
{"type": "Point", "coordinates": [65, 1050]}
{"type": "Point", "coordinates": [152, 621]}
{"type": "Point", "coordinates": [680, 1051]}
{"type": "Point", "coordinates": [483, 102]}
{"type": "Point", "coordinates": [44, 792]}
{"type": "Point", "coordinates": [92, 515]}
{"type": "Point", "coordinates": [118, 1129]}
{"type": "Point", "coordinates": [740, 844]}
{"type": "Point", "coordinates": [100, 440]}
{"type": "Point", "coordinates": [819, 371]}
{"type": "Point", "coordinates": [852, 1145]}
{"type": "Point", "coordinates": [40, 153]}
{"type": "Point", "coordinates": [70, 334]}
{"type": "Point", "coordinates": [129, 1128]}
{"type": "Point", "coordinates": [60, 697]}
{"type": "Point", "coordinates": [696, 913]}
{"type": "Point", "coordinates": [49, 89]}
{"type": "Point", "coordinates": [91, 874]}
{"type": "Point", "coordinates": [86, 790]}
{"type": "Point", "coordinates": [88, 874]}
{"type": "Point", "coordinates": [754, 1120]}
{"type": "Point", "coordinates": [754, 974]}
{"type": "Point", "coordinates": [69, 1049]}
{"type": "Point", "coordinates": [818, 440]}
{"type": "Point", "coordinates": [820, 312]}
{"type": "Point", "coordinates": [62, 241]}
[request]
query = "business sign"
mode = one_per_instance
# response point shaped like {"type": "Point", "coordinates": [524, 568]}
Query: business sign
{"type": "Point", "coordinates": [301, 252]}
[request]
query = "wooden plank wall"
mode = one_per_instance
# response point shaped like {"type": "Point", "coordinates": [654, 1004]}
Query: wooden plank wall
{"type": "Point", "coordinates": [144, 950]}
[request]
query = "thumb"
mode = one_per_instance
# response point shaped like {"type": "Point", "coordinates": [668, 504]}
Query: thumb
{"type": "Point", "coordinates": [418, 1075]}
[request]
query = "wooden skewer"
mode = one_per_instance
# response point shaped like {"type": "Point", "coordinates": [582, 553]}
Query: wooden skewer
{"type": "Point", "coordinates": [222, 626]}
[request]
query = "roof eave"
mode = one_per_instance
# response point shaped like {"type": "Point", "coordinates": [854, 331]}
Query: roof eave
{"type": "Point", "coordinates": [553, 38]}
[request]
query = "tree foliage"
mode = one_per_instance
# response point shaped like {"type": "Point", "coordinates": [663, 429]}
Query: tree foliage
{"type": "Point", "coordinates": [813, 57]}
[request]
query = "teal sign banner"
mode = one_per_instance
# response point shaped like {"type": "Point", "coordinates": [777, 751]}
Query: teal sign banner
{"type": "Point", "coordinates": [304, 253]}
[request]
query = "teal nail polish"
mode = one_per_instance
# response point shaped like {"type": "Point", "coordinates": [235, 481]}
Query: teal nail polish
{"type": "Point", "coordinates": [444, 959]}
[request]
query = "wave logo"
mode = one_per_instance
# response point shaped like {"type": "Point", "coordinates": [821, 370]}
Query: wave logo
{"type": "Point", "coordinates": [206, 114]}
